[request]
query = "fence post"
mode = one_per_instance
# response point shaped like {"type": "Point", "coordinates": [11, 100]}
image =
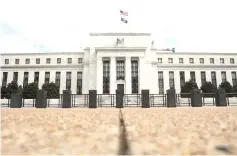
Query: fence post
{"type": "Point", "coordinates": [220, 97]}
{"type": "Point", "coordinates": [41, 99]}
{"type": "Point", "coordinates": [196, 98]}
{"type": "Point", "coordinates": [92, 98]}
{"type": "Point", "coordinates": [119, 99]}
{"type": "Point", "coordinates": [145, 98]}
{"type": "Point", "coordinates": [66, 99]}
{"type": "Point", "coordinates": [171, 98]}
{"type": "Point", "coordinates": [16, 99]}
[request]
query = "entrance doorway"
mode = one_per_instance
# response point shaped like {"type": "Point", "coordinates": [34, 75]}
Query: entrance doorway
{"type": "Point", "coordinates": [120, 87]}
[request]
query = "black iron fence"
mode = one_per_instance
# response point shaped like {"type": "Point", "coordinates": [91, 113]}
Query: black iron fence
{"type": "Point", "coordinates": [129, 100]}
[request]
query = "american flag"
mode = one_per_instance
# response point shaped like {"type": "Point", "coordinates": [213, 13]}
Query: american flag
{"type": "Point", "coordinates": [124, 13]}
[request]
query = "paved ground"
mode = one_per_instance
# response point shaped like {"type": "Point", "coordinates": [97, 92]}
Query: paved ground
{"type": "Point", "coordinates": [96, 131]}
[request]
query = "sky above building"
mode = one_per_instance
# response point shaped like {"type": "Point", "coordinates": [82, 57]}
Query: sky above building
{"type": "Point", "coordinates": [64, 25]}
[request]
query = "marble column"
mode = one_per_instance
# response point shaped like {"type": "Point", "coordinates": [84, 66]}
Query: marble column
{"type": "Point", "coordinates": [99, 76]}
{"type": "Point", "coordinates": [74, 82]}
{"type": "Point", "coordinates": [112, 75]}
{"type": "Point", "coordinates": [9, 77]}
{"type": "Point", "coordinates": [128, 76]}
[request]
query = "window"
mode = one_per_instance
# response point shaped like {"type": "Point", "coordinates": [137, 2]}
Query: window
{"type": "Point", "coordinates": [192, 76]}
{"type": "Point", "coordinates": [26, 77]}
{"type": "Point", "coordinates": [203, 77]}
{"type": "Point", "coordinates": [223, 76]}
{"type": "Point", "coordinates": [171, 80]}
{"type": "Point", "coordinates": [222, 61]}
{"type": "Point", "coordinates": [69, 60]}
{"type": "Point", "coordinates": [80, 60]}
{"type": "Point", "coordinates": [181, 60]}
{"type": "Point", "coordinates": [170, 60]}
{"type": "Point", "coordinates": [232, 60]}
{"type": "Point", "coordinates": [58, 60]}
{"type": "Point", "coordinates": [212, 61]}
{"type": "Point", "coordinates": [48, 60]}
{"type": "Point", "coordinates": [4, 79]}
{"type": "Point", "coordinates": [201, 60]}
{"type": "Point", "coordinates": [182, 78]}
{"type": "Point", "coordinates": [191, 60]}
{"type": "Point", "coordinates": [36, 78]}
{"type": "Point", "coordinates": [37, 61]}
{"type": "Point", "coordinates": [68, 80]}
{"type": "Point", "coordinates": [17, 61]}
{"type": "Point", "coordinates": [106, 76]}
{"type": "Point", "coordinates": [6, 61]}
{"type": "Point", "coordinates": [213, 78]}
{"type": "Point", "coordinates": [47, 77]}
{"type": "Point", "coordinates": [234, 79]}
{"type": "Point", "coordinates": [161, 82]}
{"type": "Point", "coordinates": [134, 70]}
{"type": "Point", "coordinates": [79, 82]}
{"type": "Point", "coordinates": [15, 77]}
{"type": "Point", "coordinates": [120, 69]}
{"type": "Point", "coordinates": [159, 60]}
{"type": "Point", "coordinates": [27, 61]}
{"type": "Point", "coordinates": [57, 79]}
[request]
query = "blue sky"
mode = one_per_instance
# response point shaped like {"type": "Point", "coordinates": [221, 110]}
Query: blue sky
{"type": "Point", "coordinates": [64, 25]}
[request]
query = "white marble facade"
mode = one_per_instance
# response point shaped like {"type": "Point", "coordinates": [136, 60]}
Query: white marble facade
{"type": "Point", "coordinates": [119, 46]}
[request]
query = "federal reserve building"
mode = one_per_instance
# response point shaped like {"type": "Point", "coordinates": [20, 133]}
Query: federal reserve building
{"type": "Point", "coordinates": [119, 60]}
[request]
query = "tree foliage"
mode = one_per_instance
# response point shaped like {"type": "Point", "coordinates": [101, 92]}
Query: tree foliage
{"type": "Point", "coordinates": [187, 88]}
{"type": "Point", "coordinates": [30, 90]}
{"type": "Point", "coordinates": [208, 89]}
{"type": "Point", "coordinates": [52, 90]}
{"type": "Point", "coordinates": [10, 88]}
{"type": "Point", "coordinates": [227, 86]}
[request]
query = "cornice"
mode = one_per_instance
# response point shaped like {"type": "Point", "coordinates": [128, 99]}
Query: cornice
{"type": "Point", "coordinates": [41, 66]}
{"type": "Point", "coordinates": [120, 34]}
{"type": "Point", "coordinates": [114, 49]}
{"type": "Point", "coordinates": [193, 53]}
{"type": "Point", "coordinates": [44, 53]}
{"type": "Point", "coordinates": [196, 66]}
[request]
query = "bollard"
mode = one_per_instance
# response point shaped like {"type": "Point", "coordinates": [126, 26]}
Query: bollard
{"type": "Point", "coordinates": [145, 99]}
{"type": "Point", "coordinates": [220, 97]}
{"type": "Point", "coordinates": [41, 99]}
{"type": "Point", "coordinates": [16, 99]}
{"type": "Point", "coordinates": [66, 99]}
{"type": "Point", "coordinates": [171, 98]}
{"type": "Point", "coordinates": [92, 98]}
{"type": "Point", "coordinates": [196, 98]}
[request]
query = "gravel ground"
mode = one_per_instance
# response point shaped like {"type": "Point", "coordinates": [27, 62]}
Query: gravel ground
{"type": "Point", "coordinates": [96, 131]}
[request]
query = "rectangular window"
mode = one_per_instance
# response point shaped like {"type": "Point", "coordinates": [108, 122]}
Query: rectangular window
{"type": "Point", "coordinates": [79, 82]}
{"type": "Point", "coordinates": [222, 61]}
{"type": "Point", "coordinates": [6, 61]}
{"type": "Point", "coordinates": [181, 60]}
{"type": "Point", "coordinates": [134, 70]}
{"type": "Point", "coordinates": [17, 61]}
{"type": "Point", "coordinates": [80, 60]}
{"type": "Point", "coordinates": [192, 76]}
{"type": "Point", "coordinates": [161, 82]}
{"type": "Point", "coordinates": [106, 76]}
{"type": "Point", "coordinates": [234, 79]}
{"type": "Point", "coordinates": [37, 60]}
{"type": "Point", "coordinates": [171, 80]}
{"type": "Point", "coordinates": [68, 80]}
{"type": "Point", "coordinates": [120, 70]}
{"type": "Point", "coordinates": [159, 60]}
{"type": "Point", "coordinates": [25, 80]}
{"type": "Point", "coordinates": [27, 61]}
{"type": "Point", "coordinates": [58, 60]}
{"type": "Point", "coordinates": [212, 61]}
{"type": "Point", "coordinates": [69, 60]}
{"type": "Point", "coordinates": [201, 60]}
{"type": "Point", "coordinates": [36, 78]}
{"type": "Point", "coordinates": [15, 77]}
{"type": "Point", "coordinates": [58, 78]}
{"type": "Point", "coordinates": [47, 77]}
{"type": "Point", "coordinates": [4, 79]}
{"type": "Point", "coordinates": [213, 78]}
{"type": "Point", "coordinates": [232, 60]}
{"type": "Point", "coordinates": [170, 60]}
{"type": "Point", "coordinates": [223, 76]}
{"type": "Point", "coordinates": [48, 60]}
{"type": "Point", "coordinates": [182, 78]}
{"type": "Point", "coordinates": [191, 60]}
{"type": "Point", "coordinates": [203, 77]}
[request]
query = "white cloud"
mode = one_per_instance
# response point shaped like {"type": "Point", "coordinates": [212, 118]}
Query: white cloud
{"type": "Point", "coordinates": [64, 25]}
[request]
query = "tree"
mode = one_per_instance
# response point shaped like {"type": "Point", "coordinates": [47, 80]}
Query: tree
{"type": "Point", "coordinates": [3, 92]}
{"type": "Point", "coordinates": [187, 88]}
{"type": "Point", "coordinates": [208, 89]}
{"type": "Point", "coordinates": [30, 91]}
{"type": "Point", "coordinates": [227, 86]}
{"type": "Point", "coordinates": [52, 90]}
{"type": "Point", "coordinates": [10, 88]}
